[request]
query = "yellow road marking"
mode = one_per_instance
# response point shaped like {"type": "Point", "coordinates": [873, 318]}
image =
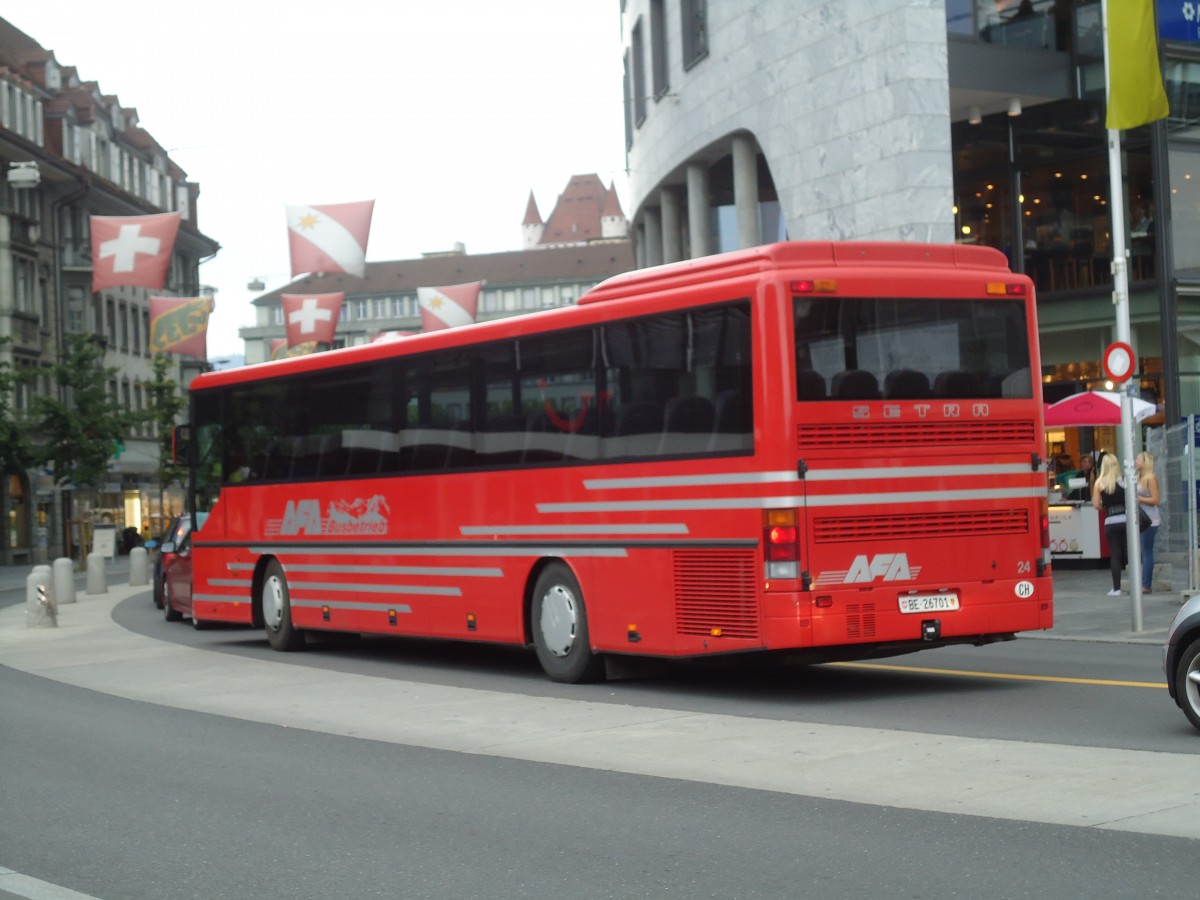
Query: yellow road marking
{"type": "Point", "coordinates": [1000, 675]}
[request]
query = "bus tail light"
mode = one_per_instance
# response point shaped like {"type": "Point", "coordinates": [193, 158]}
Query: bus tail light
{"type": "Point", "coordinates": [781, 543]}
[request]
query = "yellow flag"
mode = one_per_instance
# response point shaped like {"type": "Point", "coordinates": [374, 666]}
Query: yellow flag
{"type": "Point", "coordinates": [1135, 87]}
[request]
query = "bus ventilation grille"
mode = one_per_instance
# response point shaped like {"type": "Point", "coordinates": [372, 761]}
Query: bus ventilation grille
{"type": "Point", "coordinates": [860, 621]}
{"type": "Point", "coordinates": [893, 434]}
{"type": "Point", "coordinates": [832, 530]}
{"type": "Point", "coordinates": [715, 591]}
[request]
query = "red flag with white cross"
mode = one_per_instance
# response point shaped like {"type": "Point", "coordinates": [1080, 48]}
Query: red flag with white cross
{"type": "Point", "coordinates": [132, 251]}
{"type": "Point", "coordinates": [311, 317]}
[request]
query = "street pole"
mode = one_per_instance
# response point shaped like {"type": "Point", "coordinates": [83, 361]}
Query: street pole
{"type": "Point", "coordinates": [1120, 272]}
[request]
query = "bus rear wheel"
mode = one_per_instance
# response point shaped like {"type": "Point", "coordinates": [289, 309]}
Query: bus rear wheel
{"type": "Point", "coordinates": [560, 628]}
{"type": "Point", "coordinates": [277, 610]}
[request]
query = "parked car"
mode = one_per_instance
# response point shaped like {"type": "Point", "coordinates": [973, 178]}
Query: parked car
{"type": "Point", "coordinates": [1181, 659]}
{"type": "Point", "coordinates": [168, 546]}
{"type": "Point", "coordinates": [175, 532]}
{"type": "Point", "coordinates": [177, 576]}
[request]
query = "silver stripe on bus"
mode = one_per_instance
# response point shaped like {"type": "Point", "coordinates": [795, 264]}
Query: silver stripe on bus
{"type": "Point", "coordinates": [665, 528]}
{"type": "Point", "coordinates": [449, 571]}
{"type": "Point", "coordinates": [442, 550]}
{"type": "Point", "coordinates": [357, 607]}
{"type": "Point", "coordinates": [873, 499]}
{"type": "Point", "coordinates": [220, 598]}
{"type": "Point", "coordinates": [229, 582]}
{"type": "Point", "coordinates": [813, 474]}
{"type": "Point", "coordinates": [376, 588]}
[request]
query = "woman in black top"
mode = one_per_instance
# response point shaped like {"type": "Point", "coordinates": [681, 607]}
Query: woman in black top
{"type": "Point", "coordinates": [1108, 494]}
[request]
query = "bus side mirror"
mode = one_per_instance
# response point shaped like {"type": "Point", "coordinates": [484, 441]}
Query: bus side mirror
{"type": "Point", "coordinates": [181, 440]}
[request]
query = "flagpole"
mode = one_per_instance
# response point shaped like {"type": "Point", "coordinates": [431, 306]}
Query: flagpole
{"type": "Point", "coordinates": [1120, 272]}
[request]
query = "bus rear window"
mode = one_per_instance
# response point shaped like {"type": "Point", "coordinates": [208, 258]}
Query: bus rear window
{"type": "Point", "coordinates": [864, 348]}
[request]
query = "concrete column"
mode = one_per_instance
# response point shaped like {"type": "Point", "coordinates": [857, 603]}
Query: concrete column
{"type": "Point", "coordinates": [97, 577]}
{"type": "Point", "coordinates": [139, 567]}
{"type": "Point", "coordinates": [672, 225]}
{"type": "Point", "coordinates": [63, 571]}
{"type": "Point", "coordinates": [697, 210]}
{"type": "Point", "coordinates": [40, 609]}
{"type": "Point", "coordinates": [745, 190]}
{"type": "Point", "coordinates": [652, 226]}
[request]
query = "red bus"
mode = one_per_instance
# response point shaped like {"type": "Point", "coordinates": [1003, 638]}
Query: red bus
{"type": "Point", "coordinates": [830, 449]}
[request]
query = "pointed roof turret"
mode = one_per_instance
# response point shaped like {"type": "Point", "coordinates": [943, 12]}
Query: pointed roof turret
{"type": "Point", "coordinates": [532, 216]}
{"type": "Point", "coordinates": [612, 203]}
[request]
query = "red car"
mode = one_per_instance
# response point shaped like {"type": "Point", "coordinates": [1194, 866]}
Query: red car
{"type": "Point", "coordinates": [177, 577]}
{"type": "Point", "coordinates": [174, 534]}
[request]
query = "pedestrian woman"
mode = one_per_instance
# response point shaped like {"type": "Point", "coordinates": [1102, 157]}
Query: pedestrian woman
{"type": "Point", "coordinates": [1148, 499]}
{"type": "Point", "coordinates": [1108, 494]}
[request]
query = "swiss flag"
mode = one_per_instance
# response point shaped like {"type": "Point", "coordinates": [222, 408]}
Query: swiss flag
{"type": "Point", "coordinates": [132, 251]}
{"type": "Point", "coordinates": [446, 307]}
{"type": "Point", "coordinates": [311, 317]}
{"type": "Point", "coordinates": [331, 238]}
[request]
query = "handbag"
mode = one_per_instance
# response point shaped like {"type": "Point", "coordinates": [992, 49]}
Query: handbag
{"type": "Point", "coordinates": [1143, 519]}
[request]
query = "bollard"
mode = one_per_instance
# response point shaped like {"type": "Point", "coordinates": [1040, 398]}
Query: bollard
{"type": "Point", "coordinates": [64, 580]}
{"type": "Point", "coordinates": [40, 609]}
{"type": "Point", "coordinates": [97, 581]}
{"type": "Point", "coordinates": [139, 568]}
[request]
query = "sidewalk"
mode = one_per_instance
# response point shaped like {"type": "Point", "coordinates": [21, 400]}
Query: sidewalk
{"type": "Point", "coordinates": [1082, 611]}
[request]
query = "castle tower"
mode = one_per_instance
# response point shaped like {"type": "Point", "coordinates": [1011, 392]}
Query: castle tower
{"type": "Point", "coordinates": [613, 223]}
{"type": "Point", "coordinates": [532, 227]}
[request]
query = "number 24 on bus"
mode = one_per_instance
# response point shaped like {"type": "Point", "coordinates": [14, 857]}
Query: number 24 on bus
{"type": "Point", "coordinates": [828, 450]}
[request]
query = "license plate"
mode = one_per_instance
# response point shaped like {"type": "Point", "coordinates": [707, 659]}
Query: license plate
{"type": "Point", "coordinates": [927, 603]}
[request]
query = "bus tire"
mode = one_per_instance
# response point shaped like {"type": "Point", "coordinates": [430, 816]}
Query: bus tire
{"type": "Point", "coordinates": [560, 630]}
{"type": "Point", "coordinates": [170, 613]}
{"type": "Point", "coordinates": [277, 610]}
{"type": "Point", "coordinates": [1187, 682]}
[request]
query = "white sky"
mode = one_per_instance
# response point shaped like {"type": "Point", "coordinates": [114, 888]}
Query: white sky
{"type": "Point", "coordinates": [446, 114]}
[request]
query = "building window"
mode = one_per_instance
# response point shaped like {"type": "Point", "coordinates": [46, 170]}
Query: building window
{"type": "Point", "coordinates": [658, 48]}
{"type": "Point", "coordinates": [639, 75]}
{"type": "Point", "coordinates": [111, 332]}
{"type": "Point", "coordinates": [276, 315]}
{"type": "Point", "coordinates": [694, 29]}
{"type": "Point", "coordinates": [75, 311]}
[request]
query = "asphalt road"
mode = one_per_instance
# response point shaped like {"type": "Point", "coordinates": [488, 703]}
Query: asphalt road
{"type": "Point", "coordinates": [1109, 695]}
{"type": "Point", "coordinates": [120, 799]}
{"type": "Point", "coordinates": [116, 798]}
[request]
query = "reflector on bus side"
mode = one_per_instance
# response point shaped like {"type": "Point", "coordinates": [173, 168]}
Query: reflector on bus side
{"type": "Point", "coordinates": [1007, 289]}
{"type": "Point", "coordinates": [814, 286]}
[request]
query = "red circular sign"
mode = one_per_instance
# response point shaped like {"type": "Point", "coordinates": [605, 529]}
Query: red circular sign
{"type": "Point", "coordinates": [1118, 361]}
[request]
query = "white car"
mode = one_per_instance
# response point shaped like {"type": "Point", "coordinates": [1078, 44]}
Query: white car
{"type": "Point", "coordinates": [1181, 659]}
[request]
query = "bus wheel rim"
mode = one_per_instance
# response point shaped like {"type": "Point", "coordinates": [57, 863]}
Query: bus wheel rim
{"type": "Point", "coordinates": [273, 603]}
{"type": "Point", "coordinates": [558, 620]}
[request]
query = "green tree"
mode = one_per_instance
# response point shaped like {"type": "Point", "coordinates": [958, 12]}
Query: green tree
{"type": "Point", "coordinates": [81, 429]}
{"type": "Point", "coordinates": [165, 405]}
{"type": "Point", "coordinates": [16, 448]}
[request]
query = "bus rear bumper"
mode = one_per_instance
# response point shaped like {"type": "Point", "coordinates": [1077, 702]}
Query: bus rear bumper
{"type": "Point", "coordinates": [977, 613]}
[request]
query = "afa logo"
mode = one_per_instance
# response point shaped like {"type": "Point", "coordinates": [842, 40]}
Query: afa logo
{"type": "Point", "coordinates": [357, 516]}
{"type": "Point", "coordinates": [888, 566]}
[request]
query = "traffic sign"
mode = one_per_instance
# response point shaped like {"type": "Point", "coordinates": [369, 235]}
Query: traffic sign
{"type": "Point", "coordinates": [1118, 361]}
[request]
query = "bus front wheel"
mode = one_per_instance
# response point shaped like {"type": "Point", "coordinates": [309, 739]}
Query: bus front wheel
{"type": "Point", "coordinates": [277, 610]}
{"type": "Point", "coordinates": [560, 628]}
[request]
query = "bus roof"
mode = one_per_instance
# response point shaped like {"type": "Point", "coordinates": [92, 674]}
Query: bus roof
{"type": "Point", "coordinates": [790, 254]}
{"type": "Point", "coordinates": [737, 264]}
